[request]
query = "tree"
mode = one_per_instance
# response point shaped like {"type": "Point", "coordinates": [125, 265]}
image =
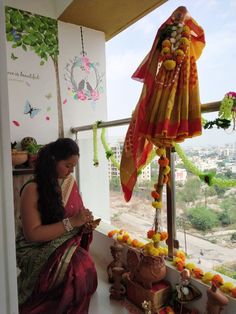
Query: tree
{"type": "Point", "coordinates": [115, 184]}
{"type": "Point", "coordinates": [202, 218]}
{"type": "Point", "coordinates": [37, 33]}
{"type": "Point", "coordinates": [191, 190]}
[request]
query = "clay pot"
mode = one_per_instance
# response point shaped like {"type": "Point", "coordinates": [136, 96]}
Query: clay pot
{"type": "Point", "coordinates": [152, 269]}
{"type": "Point", "coordinates": [19, 157]}
{"type": "Point", "coordinates": [145, 269]}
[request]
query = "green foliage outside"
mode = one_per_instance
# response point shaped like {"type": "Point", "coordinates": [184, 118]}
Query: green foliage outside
{"type": "Point", "coordinates": [191, 191]}
{"type": "Point", "coordinates": [233, 237]}
{"type": "Point", "coordinates": [226, 271]}
{"type": "Point", "coordinates": [115, 184]}
{"type": "Point", "coordinates": [202, 218]}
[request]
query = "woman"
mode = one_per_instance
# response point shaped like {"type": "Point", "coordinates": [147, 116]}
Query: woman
{"type": "Point", "coordinates": [57, 274]}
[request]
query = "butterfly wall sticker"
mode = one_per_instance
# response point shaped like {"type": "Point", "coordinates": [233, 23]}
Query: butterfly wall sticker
{"type": "Point", "coordinates": [13, 57]}
{"type": "Point", "coordinates": [28, 109]}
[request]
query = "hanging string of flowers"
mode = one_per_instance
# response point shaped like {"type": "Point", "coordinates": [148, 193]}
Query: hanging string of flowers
{"type": "Point", "coordinates": [209, 177]}
{"type": "Point", "coordinates": [156, 235]}
{"type": "Point", "coordinates": [95, 144]}
{"type": "Point", "coordinates": [108, 150]}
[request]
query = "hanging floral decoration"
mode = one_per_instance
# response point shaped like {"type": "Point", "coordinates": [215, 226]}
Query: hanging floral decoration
{"type": "Point", "coordinates": [227, 113]}
{"type": "Point", "coordinates": [209, 178]}
{"type": "Point", "coordinates": [109, 152]}
{"type": "Point", "coordinates": [95, 144]}
{"type": "Point", "coordinates": [88, 84]}
{"type": "Point", "coordinates": [175, 45]}
{"type": "Point", "coordinates": [163, 177]}
{"type": "Point", "coordinates": [206, 177]}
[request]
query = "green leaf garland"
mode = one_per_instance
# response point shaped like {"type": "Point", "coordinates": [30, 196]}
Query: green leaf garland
{"type": "Point", "coordinates": [209, 177]}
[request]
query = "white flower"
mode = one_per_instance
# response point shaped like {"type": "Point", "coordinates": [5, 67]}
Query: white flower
{"type": "Point", "coordinates": [173, 34]}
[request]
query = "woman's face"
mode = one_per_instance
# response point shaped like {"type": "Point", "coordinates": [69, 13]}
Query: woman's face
{"type": "Point", "coordinates": [66, 167]}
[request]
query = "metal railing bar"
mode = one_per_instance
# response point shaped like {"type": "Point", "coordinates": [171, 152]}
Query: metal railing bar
{"type": "Point", "coordinates": [208, 107]}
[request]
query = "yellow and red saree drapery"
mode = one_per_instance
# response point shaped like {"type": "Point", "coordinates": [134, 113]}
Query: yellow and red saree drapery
{"type": "Point", "coordinates": [57, 276]}
{"type": "Point", "coordinates": [169, 106]}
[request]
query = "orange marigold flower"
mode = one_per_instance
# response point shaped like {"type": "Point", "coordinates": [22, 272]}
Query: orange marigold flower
{"type": "Point", "coordinates": [166, 43]}
{"type": "Point", "coordinates": [198, 273]}
{"type": "Point", "coordinates": [134, 243]}
{"type": "Point", "coordinates": [150, 234]}
{"type": "Point", "coordinates": [163, 161]}
{"type": "Point", "coordinates": [111, 233]}
{"type": "Point", "coordinates": [125, 237]}
{"type": "Point", "coordinates": [155, 194]}
{"type": "Point", "coordinates": [164, 235]}
{"type": "Point", "coordinates": [180, 265]}
{"type": "Point", "coordinates": [217, 280]}
{"type": "Point", "coordinates": [181, 255]}
{"type": "Point", "coordinates": [233, 292]}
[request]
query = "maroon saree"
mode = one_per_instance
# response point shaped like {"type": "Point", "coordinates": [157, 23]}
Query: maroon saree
{"type": "Point", "coordinates": [57, 276]}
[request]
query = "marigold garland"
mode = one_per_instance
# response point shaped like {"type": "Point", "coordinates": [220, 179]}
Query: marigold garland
{"type": "Point", "coordinates": [208, 278]}
{"type": "Point", "coordinates": [179, 260]}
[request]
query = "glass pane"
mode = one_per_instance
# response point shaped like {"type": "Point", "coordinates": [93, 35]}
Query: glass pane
{"type": "Point", "coordinates": [136, 216]}
{"type": "Point", "coordinates": [206, 216]}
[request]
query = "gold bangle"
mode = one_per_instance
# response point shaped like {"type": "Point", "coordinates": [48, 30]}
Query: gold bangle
{"type": "Point", "coordinates": [67, 224]}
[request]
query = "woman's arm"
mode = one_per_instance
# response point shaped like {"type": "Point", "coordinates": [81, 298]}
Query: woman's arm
{"type": "Point", "coordinates": [33, 229]}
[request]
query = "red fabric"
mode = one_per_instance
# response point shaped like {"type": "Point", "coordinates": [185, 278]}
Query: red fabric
{"type": "Point", "coordinates": [168, 109]}
{"type": "Point", "coordinates": [73, 295]}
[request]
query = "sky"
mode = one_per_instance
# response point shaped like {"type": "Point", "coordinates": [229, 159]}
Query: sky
{"type": "Point", "coordinates": [216, 66]}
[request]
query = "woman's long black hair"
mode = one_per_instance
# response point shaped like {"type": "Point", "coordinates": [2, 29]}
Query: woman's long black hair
{"type": "Point", "coordinates": [50, 198]}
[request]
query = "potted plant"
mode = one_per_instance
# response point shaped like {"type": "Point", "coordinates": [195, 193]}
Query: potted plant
{"type": "Point", "coordinates": [32, 150]}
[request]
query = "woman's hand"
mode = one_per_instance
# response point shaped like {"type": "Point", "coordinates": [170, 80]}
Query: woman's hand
{"type": "Point", "coordinates": [90, 226]}
{"type": "Point", "coordinates": [82, 218]}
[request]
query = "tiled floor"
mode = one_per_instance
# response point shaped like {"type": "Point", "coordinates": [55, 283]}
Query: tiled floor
{"type": "Point", "coordinates": [101, 303]}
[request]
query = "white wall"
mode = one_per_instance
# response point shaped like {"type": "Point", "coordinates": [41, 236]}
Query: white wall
{"type": "Point", "coordinates": [8, 288]}
{"type": "Point", "coordinates": [35, 84]}
{"type": "Point", "coordinates": [94, 184]}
